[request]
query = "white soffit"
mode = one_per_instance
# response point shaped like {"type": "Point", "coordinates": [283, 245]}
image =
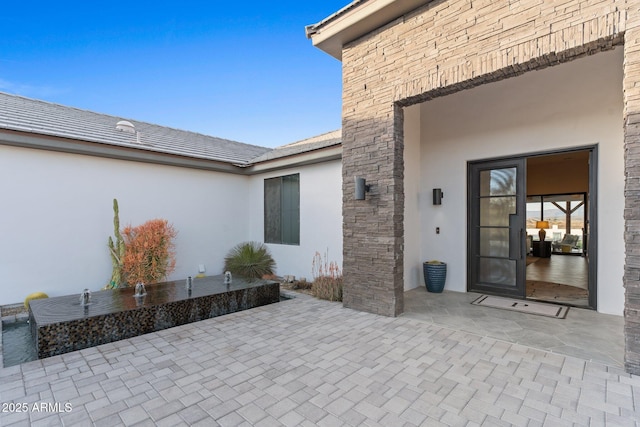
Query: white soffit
{"type": "Point", "coordinates": [356, 20]}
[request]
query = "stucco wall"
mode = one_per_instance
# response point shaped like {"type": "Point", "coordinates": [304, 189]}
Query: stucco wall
{"type": "Point", "coordinates": [320, 217]}
{"type": "Point", "coordinates": [57, 216]}
{"type": "Point", "coordinates": [574, 104]}
{"type": "Point", "coordinates": [415, 192]}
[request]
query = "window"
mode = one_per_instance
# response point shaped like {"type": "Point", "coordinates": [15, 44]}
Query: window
{"type": "Point", "coordinates": [282, 210]}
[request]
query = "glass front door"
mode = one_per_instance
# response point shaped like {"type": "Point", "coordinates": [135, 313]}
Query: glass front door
{"type": "Point", "coordinates": [497, 238]}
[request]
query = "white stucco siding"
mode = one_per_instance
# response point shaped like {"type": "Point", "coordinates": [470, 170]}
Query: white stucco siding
{"type": "Point", "coordinates": [57, 215]}
{"type": "Point", "coordinates": [320, 217]}
{"type": "Point", "coordinates": [573, 104]}
{"type": "Point", "coordinates": [413, 232]}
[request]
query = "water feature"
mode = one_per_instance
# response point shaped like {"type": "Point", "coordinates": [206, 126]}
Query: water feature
{"type": "Point", "coordinates": [85, 297]}
{"type": "Point", "coordinates": [63, 324]}
{"type": "Point", "coordinates": [17, 345]}
{"type": "Point", "coordinates": [140, 290]}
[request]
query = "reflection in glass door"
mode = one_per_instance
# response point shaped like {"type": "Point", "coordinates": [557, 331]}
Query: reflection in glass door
{"type": "Point", "coordinates": [496, 227]}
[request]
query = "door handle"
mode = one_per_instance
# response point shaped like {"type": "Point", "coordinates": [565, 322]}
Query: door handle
{"type": "Point", "coordinates": [515, 237]}
{"type": "Point", "coordinates": [521, 240]}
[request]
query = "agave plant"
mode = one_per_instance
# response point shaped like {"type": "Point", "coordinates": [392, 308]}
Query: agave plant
{"type": "Point", "coordinates": [250, 259]}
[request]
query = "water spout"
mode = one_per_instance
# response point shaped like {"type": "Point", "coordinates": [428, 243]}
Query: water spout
{"type": "Point", "coordinates": [140, 290]}
{"type": "Point", "coordinates": [85, 297]}
{"type": "Point", "coordinates": [189, 285]}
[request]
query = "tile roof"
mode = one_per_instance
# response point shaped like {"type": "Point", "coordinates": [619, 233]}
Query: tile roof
{"type": "Point", "coordinates": [325, 140]}
{"type": "Point", "coordinates": [39, 117]}
{"type": "Point", "coordinates": [313, 28]}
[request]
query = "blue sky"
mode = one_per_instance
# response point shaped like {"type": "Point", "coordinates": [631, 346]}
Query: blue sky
{"type": "Point", "coordinates": [243, 70]}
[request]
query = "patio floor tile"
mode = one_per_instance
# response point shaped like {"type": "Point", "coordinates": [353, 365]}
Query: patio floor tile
{"type": "Point", "coordinates": [310, 362]}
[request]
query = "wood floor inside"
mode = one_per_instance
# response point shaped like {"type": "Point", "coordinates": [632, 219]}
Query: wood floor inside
{"type": "Point", "coordinates": [560, 279]}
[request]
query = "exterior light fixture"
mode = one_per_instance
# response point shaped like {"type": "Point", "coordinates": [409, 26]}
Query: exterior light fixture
{"type": "Point", "coordinates": [542, 225]}
{"type": "Point", "coordinates": [361, 188]}
{"type": "Point", "coordinates": [437, 196]}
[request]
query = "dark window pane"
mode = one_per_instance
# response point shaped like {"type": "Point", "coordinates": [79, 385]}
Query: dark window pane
{"type": "Point", "coordinates": [272, 210]}
{"type": "Point", "coordinates": [282, 210]}
{"type": "Point", "coordinates": [290, 220]}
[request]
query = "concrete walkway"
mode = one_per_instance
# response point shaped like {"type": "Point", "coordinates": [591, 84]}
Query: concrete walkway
{"type": "Point", "coordinates": [585, 334]}
{"type": "Point", "coordinates": [309, 362]}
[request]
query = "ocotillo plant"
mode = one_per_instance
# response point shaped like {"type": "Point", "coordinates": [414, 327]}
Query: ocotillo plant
{"type": "Point", "coordinates": [116, 250]}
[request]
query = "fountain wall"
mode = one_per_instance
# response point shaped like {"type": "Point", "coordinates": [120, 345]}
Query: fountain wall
{"type": "Point", "coordinates": [63, 324]}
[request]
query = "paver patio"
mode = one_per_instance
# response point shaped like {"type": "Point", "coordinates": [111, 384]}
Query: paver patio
{"type": "Point", "coordinates": [310, 362]}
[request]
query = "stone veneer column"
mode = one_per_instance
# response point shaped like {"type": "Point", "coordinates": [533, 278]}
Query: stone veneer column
{"type": "Point", "coordinates": [373, 228]}
{"type": "Point", "coordinates": [632, 191]}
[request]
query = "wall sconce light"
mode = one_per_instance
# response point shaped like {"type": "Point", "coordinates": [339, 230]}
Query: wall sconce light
{"type": "Point", "coordinates": [361, 188]}
{"type": "Point", "coordinates": [437, 196]}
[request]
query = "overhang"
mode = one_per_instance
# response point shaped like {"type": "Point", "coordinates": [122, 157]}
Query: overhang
{"type": "Point", "coordinates": [66, 145]}
{"type": "Point", "coordinates": [355, 20]}
{"type": "Point", "coordinates": [312, 157]}
{"type": "Point", "coordinates": [306, 156]}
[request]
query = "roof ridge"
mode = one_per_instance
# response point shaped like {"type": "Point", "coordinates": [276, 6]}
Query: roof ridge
{"type": "Point", "coordinates": [118, 118]}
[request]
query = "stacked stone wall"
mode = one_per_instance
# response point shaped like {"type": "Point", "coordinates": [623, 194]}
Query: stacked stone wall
{"type": "Point", "coordinates": [632, 189]}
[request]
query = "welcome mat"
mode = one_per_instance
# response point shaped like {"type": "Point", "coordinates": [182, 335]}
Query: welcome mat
{"type": "Point", "coordinates": [540, 309]}
{"type": "Point", "coordinates": [556, 292]}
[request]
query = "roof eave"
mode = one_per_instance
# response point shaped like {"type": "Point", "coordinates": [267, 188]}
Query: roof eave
{"type": "Point", "coordinates": [355, 20]}
{"type": "Point", "coordinates": [72, 146]}
{"type": "Point", "coordinates": [65, 145]}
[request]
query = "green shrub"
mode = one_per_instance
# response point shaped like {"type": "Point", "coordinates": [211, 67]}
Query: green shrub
{"type": "Point", "coordinates": [250, 259]}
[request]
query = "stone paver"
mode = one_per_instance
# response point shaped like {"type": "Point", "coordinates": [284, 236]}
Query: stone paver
{"type": "Point", "coordinates": [310, 362]}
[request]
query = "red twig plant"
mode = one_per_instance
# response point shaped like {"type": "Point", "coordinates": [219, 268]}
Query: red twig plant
{"type": "Point", "coordinates": [150, 252]}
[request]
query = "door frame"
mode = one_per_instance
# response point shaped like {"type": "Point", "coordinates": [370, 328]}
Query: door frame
{"type": "Point", "coordinates": [592, 214]}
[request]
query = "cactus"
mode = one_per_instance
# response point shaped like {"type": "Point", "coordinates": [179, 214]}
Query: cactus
{"type": "Point", "coordinates": [116, 250]}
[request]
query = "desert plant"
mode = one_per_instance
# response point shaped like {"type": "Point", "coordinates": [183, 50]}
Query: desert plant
{"type": "Point", "coordinates": [301, 284]}
{"type": "Point", "coordinates": [250, 259]}
{"type": "Point", "coordinates": [327, 288]}
{"type": "Point", "coordinates": [116, 250]}
{"type": "Point", "coordinates": [327, 278]}
{"type": "Point", "coordinates": [149, 255]}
